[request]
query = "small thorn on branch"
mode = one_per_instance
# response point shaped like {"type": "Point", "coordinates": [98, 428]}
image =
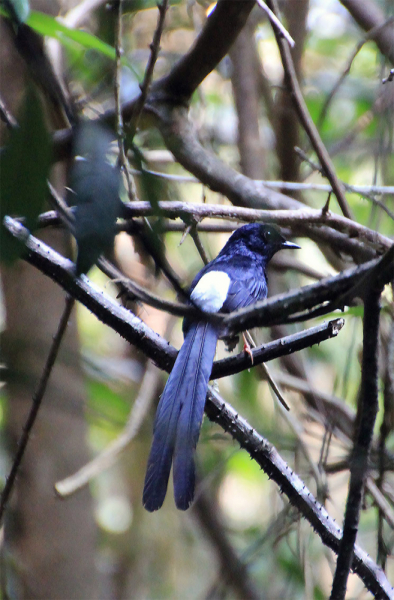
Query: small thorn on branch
{"type": "Point", "coordinates": [326, 207]}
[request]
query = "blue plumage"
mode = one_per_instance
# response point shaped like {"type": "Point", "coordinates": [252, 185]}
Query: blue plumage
{"type": "Point", "coordinates": [237, 280]}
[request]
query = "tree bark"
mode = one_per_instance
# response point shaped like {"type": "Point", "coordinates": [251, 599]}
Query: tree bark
{"type": "Point", "coordinates": [49, 544]}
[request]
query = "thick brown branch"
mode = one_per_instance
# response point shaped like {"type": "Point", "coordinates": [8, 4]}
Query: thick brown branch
{"type": "Point", "coordinates": [181, 139]}
{"type": "Point", "coordinates": [211, 46]}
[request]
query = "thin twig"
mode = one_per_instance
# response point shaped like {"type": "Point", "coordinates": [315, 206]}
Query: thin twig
{"type": "Point", "coordinates": [267, 375]}
{"type": "Point", "coordinates": [361, 450]}
{"type": "Point", "coordinates": [348, 188]}
{"type": "Point", "coordinates": [122, 159]}
{"type": "Point", "coordinates": [145, 85]}
{"type": "Point", "coordinates": [381, 190]}
{"type": "Point", "coordinates": [306, 119]}
{"type": "Point", "coordinates": [370, 35]}
{"type": "Point", "coordinates": [36, 403]}
{"type": "Point", "coordinates": [109, 456]}
{"type": "Point", "coordinates": [275, 21]}
{"type": "Point", "coordinates": [198, 243]}
{"type": "Point", "coordinates": [390, 76]}
{"type": "Point", "coordinates": [134, 291]}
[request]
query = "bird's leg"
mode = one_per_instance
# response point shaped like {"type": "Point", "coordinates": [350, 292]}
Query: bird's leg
{"type": "Point", "coordinates": [248, 344]}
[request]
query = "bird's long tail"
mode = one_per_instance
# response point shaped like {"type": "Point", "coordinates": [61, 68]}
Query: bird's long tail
{"type": "Point", "coordinates": [178, 419]}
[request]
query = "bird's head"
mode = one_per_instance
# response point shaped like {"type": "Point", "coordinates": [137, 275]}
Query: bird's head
{"type": "Point", "coordinates": [262, 239]}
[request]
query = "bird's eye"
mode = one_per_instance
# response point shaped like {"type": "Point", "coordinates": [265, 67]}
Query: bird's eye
{"type": "Point", "coordinates": [269, 235]}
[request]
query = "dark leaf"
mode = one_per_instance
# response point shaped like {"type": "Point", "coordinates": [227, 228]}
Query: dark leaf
{"type": "Point", "coordinates": [24, 168]}
{"type": "Point", "coordinates": [94, 190]}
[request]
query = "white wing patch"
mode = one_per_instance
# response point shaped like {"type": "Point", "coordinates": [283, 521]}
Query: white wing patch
{"type": "Point", "coordinates": [211, 291]}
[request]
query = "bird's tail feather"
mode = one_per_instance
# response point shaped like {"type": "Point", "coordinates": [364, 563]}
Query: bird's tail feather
{"type": "Point", "coordinates": [194, 390]}
{"type": "Point", "coordinates": [179, 414]}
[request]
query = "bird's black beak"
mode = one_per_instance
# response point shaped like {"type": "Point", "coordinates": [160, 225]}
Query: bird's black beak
{"type": "Point", "coordinates": [287, 244]}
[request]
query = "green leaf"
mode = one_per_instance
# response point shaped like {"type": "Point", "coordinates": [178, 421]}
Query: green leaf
{"type": "Point", "coordinates": [17, 9]}
{"type": "Point", "coordinates": [24, 169]}
{"type": "Point", "coordinates": [47, 25]}
{"type": "Point", "coordinates": [94, 189]}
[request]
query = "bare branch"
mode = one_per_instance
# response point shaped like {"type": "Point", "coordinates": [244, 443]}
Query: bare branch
{"type": "Point", "coordinates": [362, 446]}
{"type": "Point", "coordinates": [306, 217]}
{"type": "Point", "coordinates": [154, 53]}
{"type": "Point", "coordinates": [109, 456]}
{"type": "Point", "coordinates": [306, 120]}
{"type": "Point", "coordinates": [368, 15]}
{"type": "Point", "coordinates": [299, 495]}
{"type": "Point", "coordinates": [275, 21]}
{"type": "Point", "coordinates": [381, 190]}
{"type": "Point", "coordinates": [36, 403]}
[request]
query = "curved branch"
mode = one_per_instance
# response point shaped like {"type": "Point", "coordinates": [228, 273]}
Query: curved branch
{"type": "Point", "coordinates": [369, 16]}
{"type": "Point", "coordinates": [304, 217]}
{"type": "Point", "coordinates": [211, 46]}
{"type": "Point", "coordinates": [181, 139]}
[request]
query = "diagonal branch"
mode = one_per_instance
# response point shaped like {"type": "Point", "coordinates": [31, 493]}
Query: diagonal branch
{"type": "Point", "coordinates": [299, 495]}
{"type": "Point", "coordinates": [218, 34]}
{"type": "Point", "coordinates": [36, 404]}
{"type": "Point", "coordinates": [368, 15]}
{"type": "Point", "coordinates": [145, 85]}
{"type": "Point", "coordinates": [306, 120]}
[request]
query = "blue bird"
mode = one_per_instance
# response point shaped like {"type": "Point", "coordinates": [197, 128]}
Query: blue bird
{"type": "Point", "coordinates": [234, 279]}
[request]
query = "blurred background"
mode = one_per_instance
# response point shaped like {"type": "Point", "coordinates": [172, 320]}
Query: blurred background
{"type": "Point", "coordinates": [101, 543]}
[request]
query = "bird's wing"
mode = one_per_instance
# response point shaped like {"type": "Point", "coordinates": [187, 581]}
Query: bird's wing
{"type": "Point", "coordinates": [228, 283]}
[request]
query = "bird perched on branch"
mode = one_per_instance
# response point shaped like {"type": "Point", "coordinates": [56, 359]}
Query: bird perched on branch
{"type": "Point", "coordinates": [234, 279]}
